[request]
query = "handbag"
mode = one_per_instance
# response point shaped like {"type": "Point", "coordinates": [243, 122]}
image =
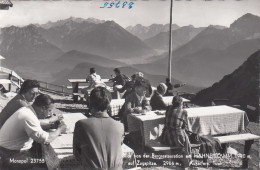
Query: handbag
{"type": "Point", "coordinates": [193, 137]}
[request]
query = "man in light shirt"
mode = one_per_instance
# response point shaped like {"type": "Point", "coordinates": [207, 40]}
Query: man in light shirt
{"type": "Point", "coordinates": [27, 94]}
{"type": "Point", "coordinates": [22, 128]}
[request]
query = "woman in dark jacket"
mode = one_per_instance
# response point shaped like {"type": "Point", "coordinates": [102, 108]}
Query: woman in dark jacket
{"type": "Point", "coordinates": [157, 102]}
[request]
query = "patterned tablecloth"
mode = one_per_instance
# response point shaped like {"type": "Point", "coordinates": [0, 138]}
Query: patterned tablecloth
{"type": "Point", "coordinates": [62, 147]}
{"type": "Point", "coordinates": [116, 104]}
{"type": "Point", "coordinates": [214, 120]}
{"type": "Point", "coordinates": [210, 120]}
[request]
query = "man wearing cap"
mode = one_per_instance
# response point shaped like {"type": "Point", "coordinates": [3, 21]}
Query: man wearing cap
{"type": "Point", "coordinates": [157, 102]}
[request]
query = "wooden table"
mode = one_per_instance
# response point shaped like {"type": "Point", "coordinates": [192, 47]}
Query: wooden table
{"type": "Point", "coordinates": [211, 120]}
{"type": "Point", "coordinates": [60, 151]}
{"type": "Point", "coordinates": [75, 86]}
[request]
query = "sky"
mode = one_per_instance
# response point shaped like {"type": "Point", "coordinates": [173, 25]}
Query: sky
{"type": "Point", "coordinates": [199, 13]}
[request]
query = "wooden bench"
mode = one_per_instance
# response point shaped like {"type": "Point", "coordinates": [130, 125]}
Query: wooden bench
{"type": "Point", "coordinates": [75, 86]}
{"type": "Point", "coordinates": [78, 96]}
{"type": "Point", "coordinates": [80, 87]}
{"type": "Point", "coordinates": [247, 137]}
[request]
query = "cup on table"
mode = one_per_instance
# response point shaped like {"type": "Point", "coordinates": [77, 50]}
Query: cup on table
{"type": "Point", "coordinates": [66, 129]}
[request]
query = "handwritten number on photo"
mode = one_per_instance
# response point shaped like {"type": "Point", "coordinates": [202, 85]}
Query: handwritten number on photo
{"type": "Point", "coordinates": [117, 5]}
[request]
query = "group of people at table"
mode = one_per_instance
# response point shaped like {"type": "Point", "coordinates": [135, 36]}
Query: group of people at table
{"type": "Point", "coordinates": [97, 140]}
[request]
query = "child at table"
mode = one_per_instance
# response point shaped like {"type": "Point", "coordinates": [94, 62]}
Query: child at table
{"type": "Point", "coordinates": [175, 124]}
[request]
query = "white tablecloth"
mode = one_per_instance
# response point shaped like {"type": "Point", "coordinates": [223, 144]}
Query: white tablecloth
{"type": "Point", "coordinates": [214, 120]}
{"type": "Point", "coordinates": [211, 120]}
{"type": "Point", "coordinates": [71, 119]}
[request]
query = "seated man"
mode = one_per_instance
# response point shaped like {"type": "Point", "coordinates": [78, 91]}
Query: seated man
{"type": "Point", "coordinates": [169, 88]}
{"type": "Point", "coordinates": [157, 102]}
{"type": "Point", "coordinates": [29, 90]}
{"type": "Point", "coordinates": [97, 140]}
{"type": "Point", "coordinates": [135, 102]}
{"type": "Point", "coordinates": [21, 129]}
{"type": "Point", "coordinates": [119, 81]}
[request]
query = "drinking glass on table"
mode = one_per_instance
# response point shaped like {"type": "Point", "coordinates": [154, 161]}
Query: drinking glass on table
{"type": "Point", "coordinates": [64, 128]}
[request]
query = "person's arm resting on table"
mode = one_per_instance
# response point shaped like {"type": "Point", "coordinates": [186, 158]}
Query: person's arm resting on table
{"type": "Point", "coordinates": [47, 123]}
{"type": "Point", "coordinates": [34, 130]}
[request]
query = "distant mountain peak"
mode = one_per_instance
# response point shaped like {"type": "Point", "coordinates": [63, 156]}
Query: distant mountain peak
{"type": "Point", "coordinates": [111, 23]}
{"type": "Point", "coordinates": [217, 27]}
{"type": "Point", "coordinates": [249, 15]}
{"type": "Point", "coordinates": [69, 21]}
{"type": "Point", "coordinates": [146, 32]}
{"type": "Point", "coordinates": [247, 23]}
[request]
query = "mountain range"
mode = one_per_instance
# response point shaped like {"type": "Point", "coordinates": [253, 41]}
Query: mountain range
{"type": "Point", "coordinates": [241, 87]}
{"type": "Point", "coordinates": [180, 37]}
{"type": "Point", "coordinates": [201, 56]}
{"type": "Point", "coordinates": [26, 51]}
{"type": "Point", "coordinates": [213, 53]}
{"type": "Point", "coordinates": [144, 32]}
{"type": "Point", "coordinates": [107, 39]}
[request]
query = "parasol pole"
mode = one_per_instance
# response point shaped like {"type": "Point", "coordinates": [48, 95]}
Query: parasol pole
{"type": "Point", "coordinates": [170, 46]}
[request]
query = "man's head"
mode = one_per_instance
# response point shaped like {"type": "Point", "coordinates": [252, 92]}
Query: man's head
{"type": "Point", "coordinates": [177, 101]}
{"type": "Point", "coordinates": [161, 88]}
{"type": "Point", "coordinates": [100, 99]}
{"type": "Point", "coordinates": [139, 74]}
{"type": "Point", "coordinates": [30, 89]}
{"type": "Point", "coordinates": [167, 80]}
{"type": "Point", "coordinates": [92, 70]}
{"type": "Point", "coordinates": [43, 105]}
{"type": "Point", "coordinates": [133, 77]}
{"type": "Point", "coordinates": [117, 71]}
{"type": "Point", "coordinates": [140, 86]}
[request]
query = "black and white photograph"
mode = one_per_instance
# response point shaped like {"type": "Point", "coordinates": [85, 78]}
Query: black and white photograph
{"type": "Point", "coordinates": [129, 84]}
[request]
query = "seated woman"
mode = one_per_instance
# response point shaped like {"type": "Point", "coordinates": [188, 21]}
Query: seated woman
{"type": "Point", "coordinates": [175, 124]}
{"type": "Point", "coordinates": [135, 102]}
{"type": "Point", "coordinates": [157, 102]}
{"type": "Point", "coordinates": [97, 140]}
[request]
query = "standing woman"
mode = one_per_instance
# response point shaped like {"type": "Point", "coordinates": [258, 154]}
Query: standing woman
{"type": "Point", "coordinates": [175, 124]}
